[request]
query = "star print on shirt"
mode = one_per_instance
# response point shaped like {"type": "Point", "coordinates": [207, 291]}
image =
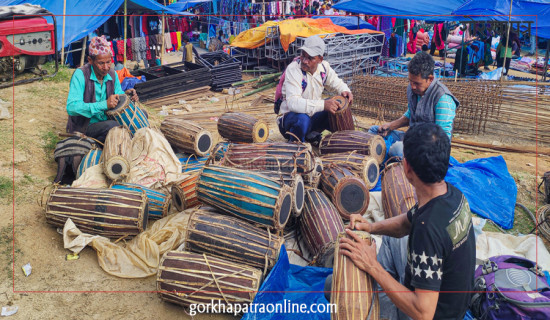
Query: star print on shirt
{"type": "Point", "coordinates": [429, 273]}
{"type": "Point", "coordinates": [414, 255]}
{"type": "Point", "coordinates": [424, 258]}
{"type": "Point", "coordinates": [435, 260]}
{"type": "Point", "coordinates": [417, 271]}
{"type": "Point", "coordinates": [439, 273]}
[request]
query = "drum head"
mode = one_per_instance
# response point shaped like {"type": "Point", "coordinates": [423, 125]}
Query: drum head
{"type": "Point", "coordinates": [372, 174]}
{"type": "Point", "coordinates": [261, 132]}
{"type": "Point", "coordinates": [286, 207]}
{"type": "Point", "coordinates": [204, 144]}
{"type": "Point", "coordinates": [123, 101]}
{"type": "Point", "coordinates": [178, 198]}
{"type": "Point", "coordinates": [299, 194]}
{"type": "Point", "coordinates": [352, 198]}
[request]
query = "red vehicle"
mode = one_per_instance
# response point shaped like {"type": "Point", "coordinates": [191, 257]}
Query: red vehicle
{"type": "Point", "coordinates": [25, 43]}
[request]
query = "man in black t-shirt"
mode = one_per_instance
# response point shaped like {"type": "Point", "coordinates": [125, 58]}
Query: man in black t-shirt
{"type": "Point", "coordinates": [440, 255]}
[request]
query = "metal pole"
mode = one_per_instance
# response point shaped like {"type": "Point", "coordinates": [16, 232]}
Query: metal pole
{"type": "Point", "coordinates": [546, 61]}
{"type": "Point", "coordinates": [507, 40]}
{"type": "Point", "coordinates": [162, 35]}
{"type": "Point", "coordinates": [63, 33]}
{"type": "Point", "coordinates": [83, 50]}
{"type": "Point", "coordinates": [125, 29]}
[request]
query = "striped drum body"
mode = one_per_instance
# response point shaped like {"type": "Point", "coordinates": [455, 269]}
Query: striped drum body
{"type": "Point", "coordinates": [186, 278]}
{"type": "Point", "coordinates": [106, 212]}
{"type": "Point", "coordinates": [241, 127]}
{"type": "Point", "coordinates": [92, 158]}
{"type": "Point", "coordinates": [191, 163]}
{"type": "Point", "coordinates": [320, 224]}
{"type": "Point", "coordinates": [347, 141]}
{"type": "Point", "coordinates": [353, 290]}
{"type": "Point", "coordinates": [159, 203]}
{"type": "Point", "coordinates": [128, 114]}
{"type": "Point", "coordinates": [398, 194]}
{"type": "Point", "coordinates": [233, 239]}
{"type": "Point", "coordinates": [246, 194]}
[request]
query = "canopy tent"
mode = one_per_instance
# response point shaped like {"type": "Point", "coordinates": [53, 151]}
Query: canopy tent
{"type": "Point", "coordinates": [183, 5]}
{"type": "Point", "coordinates": [522, 10]}
{"type": "Point", "coordinates": [419, 9]}
{"type": "Point", "coordinates": [348, 22]}
{"type": "Point", "coordinates": [84, 16]}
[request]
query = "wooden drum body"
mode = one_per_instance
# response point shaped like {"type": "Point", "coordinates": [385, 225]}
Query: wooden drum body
{"type": "Point", "coordinates": [106, 212]}
{"type": "Point", "coordinates": [187, 136]}
{"type": "Point", "coordinates": [347, 192]}
{"type": "Point", "coordinates": [251, 196]}
{"type": "Point", "coordinates": [353, 290]}
{"type": "Point", "coordinates": [398, 194]}
{"type": "Point", "coordinates": [128, 114]}
{"type": "Point", "coordinates": [191, 163]}
{"type": "Point", "coordinates": [92, 158]}
{"type": "Point", "coordinates": [240, 127]}
{"type": "Point", "coordinates": [347, 141]}
{"type": "Point", "coordinates": [342, 119]}
{"type": "Point", "coordinates": [361, 165]}
{"type": "Point", "coordinates": [185, 278]}
{"type": "Point", "coordinates": [233, 239]}
{"type": "Point", "coordinates": [116, 153]}
{"type": "Point", "coordinates": [320, 225]}
{"type": "Point", "coordinates": [273, 156]}
{"type": "Point", "coordinates": [184, 192]}
{"type": "Point", "coordinates": [158, 202]}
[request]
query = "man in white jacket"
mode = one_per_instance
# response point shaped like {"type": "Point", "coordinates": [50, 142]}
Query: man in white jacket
{"type": "Point", "coordinates": [303, 112]}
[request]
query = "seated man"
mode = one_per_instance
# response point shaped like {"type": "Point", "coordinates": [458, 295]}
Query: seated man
{"type": "Point", "coordinates": [94, 89]}
{"type": "Point", "coordinates": [436, 263]}
{"type": "Point", "coordinates": [429, 100]}
{"type": "Point", "coordinates": [303, 112]}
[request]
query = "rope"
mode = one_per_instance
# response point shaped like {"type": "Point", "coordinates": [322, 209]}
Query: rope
{"type": "Point", "coordinates": [266, 252]}
{"type": "Point", "coordinates": [214, 278]}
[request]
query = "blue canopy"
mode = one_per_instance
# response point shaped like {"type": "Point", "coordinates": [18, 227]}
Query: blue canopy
{"type": "Point", "coordinates": [183, 5]}
{"type": "Point", "coordinates": [419, 9]}
{"type": "Point", "coordinates": [84, 16]}
{"type": "Point", "coordinates": [522, 10]}
{"type": "Point", "coordinates": [348, 22]}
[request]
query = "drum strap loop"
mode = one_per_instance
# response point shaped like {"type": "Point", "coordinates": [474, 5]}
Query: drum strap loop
{"type": "Point", "coordinates": [214, 278]}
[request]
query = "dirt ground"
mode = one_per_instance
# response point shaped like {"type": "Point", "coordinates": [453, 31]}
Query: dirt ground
{"type": "Point", "coordinates": [80, 289]}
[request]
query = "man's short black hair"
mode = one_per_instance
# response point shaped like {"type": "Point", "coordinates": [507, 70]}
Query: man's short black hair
{"type": "Point", "coordinates": [425, 47]}
{"type": "Point", "coordinates": [427, 150]}
{"type": "Point", "coordinates": [422, 64]}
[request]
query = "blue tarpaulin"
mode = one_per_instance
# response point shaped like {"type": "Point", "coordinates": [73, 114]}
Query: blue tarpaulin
{"type": "Point", "coordinates": [537, 11]}
{"type": "Point", "coordinates": [289, 284]}
{"type": "Point", "coordinates": [84, 16]}
{"type": "Point", "coordinates": [183, 5]}
{"type": "Point", "coordinates": [419, 9]}
{"type": "Point", "coordinates": [488, 186]}
{"type": "Point", "coordinates": [348, 22]}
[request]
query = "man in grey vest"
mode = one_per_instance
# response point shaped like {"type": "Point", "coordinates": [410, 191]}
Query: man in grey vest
{"type": "Point", "coordinates": [94, 89]}
{"type": "Point", "coordinates": [429, 101]}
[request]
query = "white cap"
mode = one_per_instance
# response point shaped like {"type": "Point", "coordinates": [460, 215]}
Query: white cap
{"type": "Point", "coordinates": [314, 46]}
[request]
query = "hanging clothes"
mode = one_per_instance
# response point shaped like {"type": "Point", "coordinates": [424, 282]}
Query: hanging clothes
{"type": "Point", "coordinates": [385, 26]}
{"type": "Point", "coordinates": [168, 42]}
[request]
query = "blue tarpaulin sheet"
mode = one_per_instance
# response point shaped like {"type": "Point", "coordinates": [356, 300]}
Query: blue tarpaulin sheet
{"type": "Point", "coordinates": [419, 9]}
{"type": "Point", "coordinates": [348, 22]}
{"type": "Point", "coordinates": [488, 186]}
{"type": "Point", "coordinates": [289, 284]}
{"type": "Point", "coordinates": [537, 11]}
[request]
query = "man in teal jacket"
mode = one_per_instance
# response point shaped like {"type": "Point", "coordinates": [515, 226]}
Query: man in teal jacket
{"type": "Point", "coordinates": [94, 89]}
